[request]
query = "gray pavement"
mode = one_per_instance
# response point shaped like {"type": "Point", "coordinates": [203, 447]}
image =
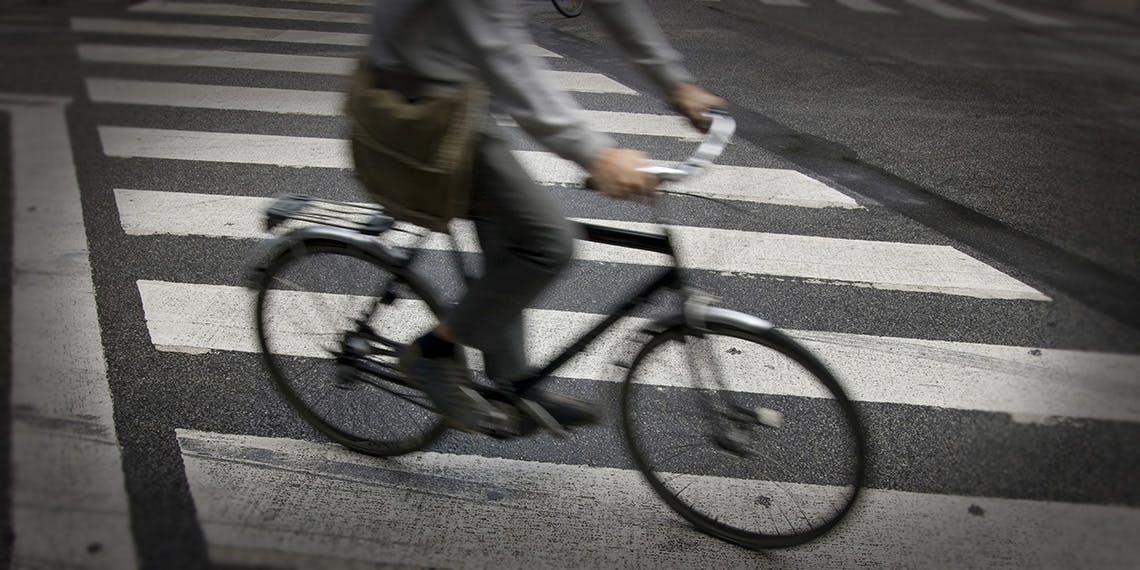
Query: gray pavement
{"type": "Point", "coordinates": [1034, 128]}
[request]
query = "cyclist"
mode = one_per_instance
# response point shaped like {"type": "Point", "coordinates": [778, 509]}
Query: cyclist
{"type": "Point", "coordinates": [525, 238]}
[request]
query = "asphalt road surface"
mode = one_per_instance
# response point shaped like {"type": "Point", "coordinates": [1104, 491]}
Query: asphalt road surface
{"type": "Point", "coordinates": [937, 197]}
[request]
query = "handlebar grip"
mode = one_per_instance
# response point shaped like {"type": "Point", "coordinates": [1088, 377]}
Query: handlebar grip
{"type": "Point", "coordinates": [721, 128]}
{"type": "Point", "coordinates": [663, 173]}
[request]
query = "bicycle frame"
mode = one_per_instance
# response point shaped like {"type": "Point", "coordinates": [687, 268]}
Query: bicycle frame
{"type": "Point", "coordinates": [670, 278]}
{"type": "Point", "coordinates": [363, 236]}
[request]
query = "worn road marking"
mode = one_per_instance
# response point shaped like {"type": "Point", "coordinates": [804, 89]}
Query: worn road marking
{"type": "Point", "coordinates": [69, 503]}
{"type": "Point", "coordinates": [236, 11]}
{"type": "Point", "coordinates": [187, 57]}
{"type": "Point", "coordinates": [743, 183]}
{"type": "Point", "coordinates": [331, 104]}
{"type": "Point", "coordinates": [279, 502]}
{"type": "Point", "coordinates": [1019, 13]}
{"type": "Point", "coordinates": [1028, 382]}
{"type": "Point", "coordinates": [948, 11]}
{"type": "Point", "coordinates": [867, 6]}
{"type": "Point", "coordinates": [882, 265]}
{"type": "Point", "coordinates": [172, 29]}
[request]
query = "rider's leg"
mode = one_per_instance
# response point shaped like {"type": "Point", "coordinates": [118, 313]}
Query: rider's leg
{"type": "Point", "coordinates": [527, 243]}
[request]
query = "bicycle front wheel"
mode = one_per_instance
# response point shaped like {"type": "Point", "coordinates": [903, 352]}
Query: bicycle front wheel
{"type": "Point", "coordinates": [569, 8]}
{"type": "Point", "coordinates": [743, 433]}
{"type": "Point", "coordinates": [331, 319]}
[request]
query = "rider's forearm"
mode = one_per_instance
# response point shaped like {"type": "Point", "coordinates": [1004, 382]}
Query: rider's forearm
{"type": "Point", "coordinates": [633, 26]}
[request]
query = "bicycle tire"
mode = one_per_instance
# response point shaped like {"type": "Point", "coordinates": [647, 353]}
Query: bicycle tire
{"type": "Point", "coordinates": [315, 288]}
{"type": "Point", "coordinates": [769, 485]}
{"type": "Point", "coordinates": [569, 8]}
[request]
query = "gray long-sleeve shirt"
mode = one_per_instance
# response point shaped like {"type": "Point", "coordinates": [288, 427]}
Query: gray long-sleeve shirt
{"type": "Point", "coordinates": [457, 40]}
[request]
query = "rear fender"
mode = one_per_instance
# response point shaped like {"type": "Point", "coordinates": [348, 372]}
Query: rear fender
{"type": "Point", "coordinates": [313, 235]}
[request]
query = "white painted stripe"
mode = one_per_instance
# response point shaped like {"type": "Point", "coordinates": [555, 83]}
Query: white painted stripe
{"type": "Point", "coordinates": [646, 124]}
{"type": "Point", "coordinates": [67, 488]}
{"type": "Point", "coordinates": [225, 147]}
{"type": "Point", "coordinates": [866, 6]}
{"type": "Point", "coordinates": [742, 183]}
{"type": "Point", "coordinates": [341, 2]}
{"type": "Point", "coordinates": [290, 101]}
{"type": "Point", "coordinates": [1032, 384]}
{"type": "Point", "coordinates": [945, 10]}
{"type": "Point", "coordinates": [259, 498]}
{"type": "Point", "coordinates": [186, 57]}
{"type": "Point", "coordinates": [331, 104]}
{"type": "Point", "coordinates": [763, 185]}
{"type": "Point", "coordinates": [1019, 13]}
{"type": "Point", "coordinates": [539, 51]}
{"type": "Point", "coordinates": [882, 265]}
{"type": "Point", "coordinates": [235, 11]}
{"type": "Point", "coordinates": [152, 28]}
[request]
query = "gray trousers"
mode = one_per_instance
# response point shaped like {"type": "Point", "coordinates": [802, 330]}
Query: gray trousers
{"type": "Point", "coordinates": [526, 242]}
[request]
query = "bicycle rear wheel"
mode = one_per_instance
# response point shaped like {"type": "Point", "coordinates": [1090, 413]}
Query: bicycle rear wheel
{"type": "Point", "coordinates": [570, 8]}
{"type": "Point", "coordinates": [331, 319]}
{"type": "Point", "coordinates": [743, 433]}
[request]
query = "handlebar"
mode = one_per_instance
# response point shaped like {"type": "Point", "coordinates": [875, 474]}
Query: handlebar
{"type": "Point", "coordinates": [721, 129]}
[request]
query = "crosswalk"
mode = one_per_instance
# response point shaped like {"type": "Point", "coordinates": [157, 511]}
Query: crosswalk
{"type": "Point", "coordinates": [975, 11]}
{"type": "Point", "coordinates": [883, 265]}
{"type": "Point", "coordinates": [981, 11]}
{"type": "Point", "coordinates": [291, 500]}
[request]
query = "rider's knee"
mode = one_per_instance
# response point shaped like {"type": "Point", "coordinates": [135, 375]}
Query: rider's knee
{"type": "Point", "coordinates": [555, 249]}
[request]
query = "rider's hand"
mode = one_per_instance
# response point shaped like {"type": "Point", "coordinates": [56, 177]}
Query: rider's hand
{"type": "Point", "coordinates": [693, 102]}
{"type": "Point", "coordinates": [614, 172]}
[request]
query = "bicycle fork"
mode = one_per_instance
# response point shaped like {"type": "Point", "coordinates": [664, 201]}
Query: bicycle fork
{"type": "Point", "coordinates": [730, 421]}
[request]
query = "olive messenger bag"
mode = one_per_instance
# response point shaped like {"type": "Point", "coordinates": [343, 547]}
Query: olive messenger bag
{"type": "Point", "coordinates": [414, 157]}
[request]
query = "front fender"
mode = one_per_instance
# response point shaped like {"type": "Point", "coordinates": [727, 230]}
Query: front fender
{"type": "Point", "coordinates": [707, 314]}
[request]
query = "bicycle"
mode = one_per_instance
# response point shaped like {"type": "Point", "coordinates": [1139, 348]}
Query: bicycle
{"type": "Point", "coordinates": [569, 8]}
{"type": "Point", "coordinates": [347, 385]}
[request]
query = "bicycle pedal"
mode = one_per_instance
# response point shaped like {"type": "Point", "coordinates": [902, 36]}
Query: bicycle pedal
{"type": "Point", "coordinates": [486, 417]}
{"type": "Point", "coordinates": [344, 378]}
{"type": "Point", "coordinates": [509, 425]}
{"type": "Point", "coordinates": [769, 417]}
{"type": "Point", "coordinates": [542, 417]}
{"type": "Point", "coordinates": [734, 441]}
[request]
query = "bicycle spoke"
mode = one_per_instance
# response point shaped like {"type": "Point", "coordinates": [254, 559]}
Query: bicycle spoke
{"type": "Point", "coordinates": [325, 303]}
{"type": "Point", "coordinates": [791, 493]}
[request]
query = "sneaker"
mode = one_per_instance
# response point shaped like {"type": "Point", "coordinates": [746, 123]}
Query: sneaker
{"type": "Point", "coordinates": [569, 411]}
{"type": "Point", "coordinates": [448, 384]}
